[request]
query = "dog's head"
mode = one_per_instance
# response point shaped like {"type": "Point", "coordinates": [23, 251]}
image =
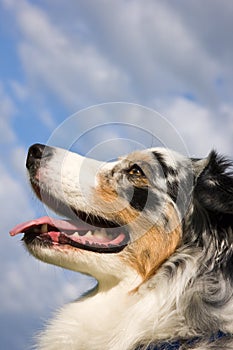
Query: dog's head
{"type": "Point", "coordinates": [126, 216]}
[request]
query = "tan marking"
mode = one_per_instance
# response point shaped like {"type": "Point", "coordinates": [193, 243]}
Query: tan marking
{"type": "Point", "coordinates": [147, 253]}
{"type": "Point", "coordinates": [105, 190]}
{"type": "Point", "coordinates": [140, 181]}
{"type": "Point", "coordinates": [106, 198]}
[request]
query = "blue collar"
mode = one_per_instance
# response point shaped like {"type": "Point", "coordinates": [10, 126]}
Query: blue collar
{"type": "Point", "coordinates": [176, 344]}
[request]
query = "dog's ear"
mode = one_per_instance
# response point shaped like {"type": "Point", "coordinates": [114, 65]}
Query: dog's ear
{"type": "Point", "coordinates": [213, 187]}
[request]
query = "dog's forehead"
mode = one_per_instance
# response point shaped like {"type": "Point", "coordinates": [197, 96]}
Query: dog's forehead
{"type": "Point", "coordinates": [138, 156]}
{"type": "Point", "coordinates": [158, 155]}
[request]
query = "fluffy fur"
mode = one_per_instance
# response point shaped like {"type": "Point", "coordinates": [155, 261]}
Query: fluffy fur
{"type": "Point", "coordinates": [172, 281]}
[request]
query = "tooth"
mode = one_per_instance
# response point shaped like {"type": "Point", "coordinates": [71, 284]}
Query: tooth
{"type": "Point", "coordinates": [101, 233]}
{"type": "Point", "coordinates": [97, 233]}
{"type": "Point", "coordinates": [44, 228]}
{"type": "Point", "coordinates": [88, 234]}
{"type": "Point", "coordinates": [75, 234]}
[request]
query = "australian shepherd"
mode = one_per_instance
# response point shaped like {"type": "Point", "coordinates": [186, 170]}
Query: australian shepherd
{"type": "Point", "coordinates": [155, 228]}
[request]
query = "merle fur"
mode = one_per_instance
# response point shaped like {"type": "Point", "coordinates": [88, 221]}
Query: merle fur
{"type": "Point", "coordinates": [207, 231]}
{"type": "Point", "coordinates": [209, 228]}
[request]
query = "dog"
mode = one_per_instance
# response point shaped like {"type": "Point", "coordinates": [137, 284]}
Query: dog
{"type": "Point", "coordinates": [155, 228]}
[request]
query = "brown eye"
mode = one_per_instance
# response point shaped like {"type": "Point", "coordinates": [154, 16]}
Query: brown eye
{"type": "Point", "coordinates": [136, 171]}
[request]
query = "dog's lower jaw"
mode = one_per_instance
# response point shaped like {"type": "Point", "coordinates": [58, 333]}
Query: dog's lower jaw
{"type": "Point", "coordinates": [108, 269]}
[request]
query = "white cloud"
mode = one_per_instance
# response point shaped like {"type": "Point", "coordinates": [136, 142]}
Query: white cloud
{"type": "Point", "coordinates": [20, 91]}
{"type": "Point", "coordinates": [14, 199]}
{"type": "Point", "coordinates": [202, 21]}
{"type": "Point", "coordinates": [47, 119]}
{"type": "Point", "coordinates": [157, 49]}
{"type": "Point", "coordinates": [28, 281]}
{"type": "Point", "coordinates": [125, 50]}
{"type": "Point", "coordinates": [140, 51]}
{"type": "Point", "coordinates": [75, 71]}
{"type": "Point", "coordinates": [202, 129]}
{"type": "Point", "coordinates": [7, 110]}
{"type": "Point", "coordinates": [111, 130]}
{"type": "Point", "coordinates": [17, 160]}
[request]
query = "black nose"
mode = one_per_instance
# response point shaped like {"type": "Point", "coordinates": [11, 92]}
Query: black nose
{"type": "Point", "coordinates": [36, 153]}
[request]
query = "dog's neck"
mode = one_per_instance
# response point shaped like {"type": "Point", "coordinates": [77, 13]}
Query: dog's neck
{"type": "Point", "coordinates": [96, 321]}
{"type": "Point", "coordinates": [121, 316]}
{"type": "Point", "coordinates": [102, 319]}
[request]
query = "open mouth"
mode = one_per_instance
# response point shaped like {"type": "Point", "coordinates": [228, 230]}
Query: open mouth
{"type": "Point", "coordinates": [101, 236]}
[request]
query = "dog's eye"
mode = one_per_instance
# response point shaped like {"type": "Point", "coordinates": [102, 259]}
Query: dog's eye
{"type": "Point", "coordinates": [136, 171]}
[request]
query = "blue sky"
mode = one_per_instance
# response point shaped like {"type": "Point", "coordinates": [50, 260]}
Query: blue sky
{"type": "Point", "coordinates": [59, 58]}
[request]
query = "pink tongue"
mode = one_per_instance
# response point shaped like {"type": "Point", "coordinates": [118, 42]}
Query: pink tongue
{"type": "Point", "coordinates": [62, 225]}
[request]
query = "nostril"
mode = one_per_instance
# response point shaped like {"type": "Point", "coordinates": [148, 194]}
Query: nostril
{"type": "Point", "coordinates": [37, 152]}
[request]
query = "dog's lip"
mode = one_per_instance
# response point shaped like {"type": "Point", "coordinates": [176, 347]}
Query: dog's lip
{"type": "Point", "coordinates": [65, 232]}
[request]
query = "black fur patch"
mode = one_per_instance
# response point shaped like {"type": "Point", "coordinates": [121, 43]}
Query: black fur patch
{"type": "Point", "coordinates": [139, 198]}
{"type": "Point", "coordinates": [162, 162]}
{"type": "Point", "coordinates": [211, 224]}
{"type": "Point", "coordinates": [214, 188]}
{"type": "Point", "coordinates": [172, 189]}
{"type": "Point", "coordinates": [167, 169]}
